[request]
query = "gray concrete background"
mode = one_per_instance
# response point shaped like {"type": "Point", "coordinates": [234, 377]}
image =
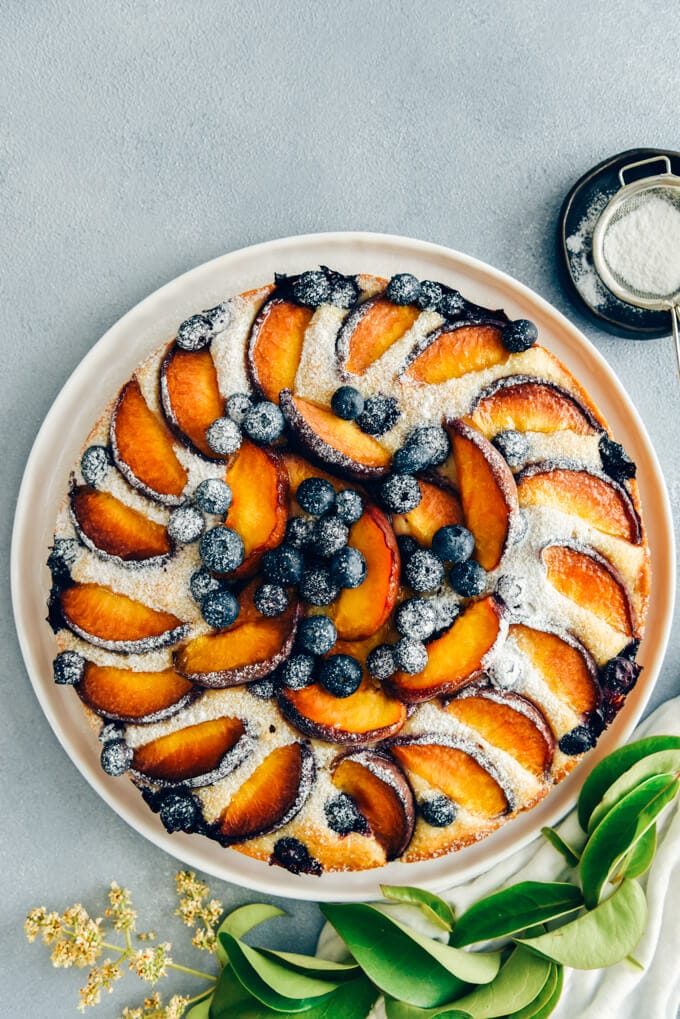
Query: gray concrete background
{"type": "Point", "coordinates": [141, 138]}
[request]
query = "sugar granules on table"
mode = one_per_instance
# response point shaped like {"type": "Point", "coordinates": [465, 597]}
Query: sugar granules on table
{"type": "Point", "coordinates": [642, 247]}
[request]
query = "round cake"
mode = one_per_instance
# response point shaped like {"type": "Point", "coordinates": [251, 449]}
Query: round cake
{"type": "Point", "coordinates": [350, 571]}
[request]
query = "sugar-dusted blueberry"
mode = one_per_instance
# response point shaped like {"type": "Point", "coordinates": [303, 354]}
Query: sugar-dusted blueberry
{"type": "Point", "coordinates": [400, 493]}
{"type": "Point", "coordinates": [179, 811]}
{"type": "Point", "coordinates": [439, 811]}
{"type": "Point", "coordinates": [283, 565]}
{"type": "Point", "coordinates": [347, 403]}
{"type": "Point", "coordinates": [430, 295]}
{"type": "Point", "coordinates": [349, 505]}
{"type": "Point", "coordinates": [416, 618]}
{"type": "Point", "coordinates": [423, 571]}
{"type": "Point", "coordinates": [203, 583]}
{"type": "Point", "coordinates": [407, 545]}
{"type": "Point", "coordinates": [219, 316]}
{"type": "Point", "coordinates": [453, 543]}
{"type": "Point", "coordinates": [221, 549]}
{"type": "Point", "coordinates": [427, 446]}
{"type": "Point", "coordinates": [271, 599]}
{"type": "Point", "coordinates": [620, 674]}
{"type": "Point", "coordinates": [330, 535]}
{"type": "Point", "coordinates": [237, 406]}
{"type": "Point", "coordinates": [513, 447]}
{"type": "Point", "coordinates": [294, 856]}
{"type": "Point", "coordinates": [116, 757]}
{"type": "Point", "coordinates": [379, 415]}
{"type": "Point", "coordinates": [299, 532]}
{"type": "Point", "coordinates": [446, 610]}
{"type": "Point", "coordinates": [195, 333]}
{"type": "Point", "coordinates": [317, 586]}
{"type": "Point", "coordinates": [615, 461]}
{"type": "Point", "coordinates": [348, 567]}
{"type": "Point", "coordinates": [264, 688]}
{"type": "Point", "coordinates": [519, 335]}
{"type": "Point", "coordinates": [68, 668]}
{"type": "Point", "coordinates": [404, 288]}
{"type": "Point", "coordinates": [344, 290]}
{"type": "Point", "coordinates": [511, 589]}
{"type": "Point", "coordinates": [311, 288]}
{"type": "Point", "coordinates": [264, 422]}
{"type": "Point", "coordinates": [95, 464]}
{"type": "Point", "coordinates": [468, 578]}
{"type": "Point", "coordinates": [577, 741]}
{"type": "Point", "coordinates": [340, 675]}
{"type": "Point", "coordinates": [452, 304]}
{"type": "Point", "coordinates": [410, 655]}
{"type": "Point", "coordinates": [298, 671]}
{"type": "Point", "coordinates": [315, 496]}
{"type": "Point", "coordinates": [317, 635]}
{"type": "Point", "coordinates": [343, 817]}
{"type": "Point", "coordinates": [224, 436]}
{"type": "Point", "coordinates": [380, 662]}
{"type": "Point", "coordinates": [213, 496]}
{"type": "Point", "coordinates": [62, 556]}
{"type": "Point", "coordinates": [220, 609]}
{"type": "Point", "coordinates": [185, 524]}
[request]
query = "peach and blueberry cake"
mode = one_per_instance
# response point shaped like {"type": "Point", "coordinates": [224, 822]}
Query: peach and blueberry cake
{"type": "Point", "coordinates": [350, 571]}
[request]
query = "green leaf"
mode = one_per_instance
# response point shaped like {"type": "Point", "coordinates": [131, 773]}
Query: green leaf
{"type": "Point", "coordinates": [620, 830]}
{"type": "Point", "coordinates": [241, 920]}
{"type": "Point", "coordinates": [434, 908]}
{"type": "Point", "coordinates": [353, 1000]}
{"type": "Point", "coordinates": [613, 766]}
{"type": "Point", "coordinates": [546, 1002]}
{"type": "Point", "coordinates": [562, 847]}
{"type": "Point", "coordinates": [201, 1010]}
{"type": "Point", "coordinates": [639, 859]}
{"type": "Point", "coordinates": [514, 909]}
{"type": "Point", "coordinates": [403, 963]}
{"type": "Point", "coordinates": [602, 936]}
{"type": "Point", "coordinates": [312, 966]}
{"type": "Point", "coordinates": [661, 763]}
{"type": "Point", "coordinates": [400, 1010]}
{"type": "Point", "coordinates": [518, 983]}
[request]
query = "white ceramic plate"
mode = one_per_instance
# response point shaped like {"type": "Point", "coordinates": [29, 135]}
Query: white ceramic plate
{"type": "Point", "coordinates": [110, 363]}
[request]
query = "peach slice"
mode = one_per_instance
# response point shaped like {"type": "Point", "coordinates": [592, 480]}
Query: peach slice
{"type": "Point", "coordinates": [142, 448]}
{"type": "Point", "coordinates": [370, 330]}
{"type": "Point", "coordinates": [461, 773]}
{"type": "Point", "coordinates": [530, 405]}
{"type": "Point", "coordinates": [581, 492]}
{"type": "Point", "coordinates": [566, 667]}
{"type": "Point", "coordinates": [439, 505]}
{"type": "Point", "coordinates": [114, 530]}
{"type": "Point", "coordinates": [197, 755]}
{"type": "Point", "coordinates": [457, 657]}
{"type": "Point", "coordinates": [337, 444]}
{"type": "Point", "coordinates": [382, 795]}
{"type": "Point", "coordinates": [259, 510]}
{"type": "Point", "coordinates": [509, 722]}
{"type": "Point", "coordinates": [190, 397]}
{"type": "Point", "coordinates": [451, 352]}
{"type": "Point", "coordinates": [487, 491]}
{"type": "Point", "coordinates": [590, 580]}
{"type": "Point", "coordinates": [275, 346]}
{"type": "Point", "coordinates": [360, 611]}
{"type": "Point", "coordinates": [126, 696]}
{"type": "Point", "coordinates": [271, 797]}
{"type": "Point", "coordinates": [117, 623]}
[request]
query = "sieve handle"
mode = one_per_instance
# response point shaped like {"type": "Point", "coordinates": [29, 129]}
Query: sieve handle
{"type": "Point", "coordinates": [644, 162]}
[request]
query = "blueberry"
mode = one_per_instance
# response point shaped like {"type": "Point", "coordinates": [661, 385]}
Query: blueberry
{"type": "Point", "coordinates": [380, 662]}
{"type": "Point", "coordinates": [264, 688]}
{"type": "Point", "coordinates": [64, 553]}
{"type": "Point", "coordinates": [347, 403]}
{"type": "Point", "coordinates": [519, 335]}
{"type": "Point", "coordinates": [219, 316]}
{"type": "Point", "coordinates": [446, 610]}
{"type": "Point", "coordinates": [271, 599]}
{"type": "Point", "coordinates": [203, 583]}
{"type": "Point", "coordinates": [513, 447]}
{"type": "Point", "coordinates": [620, 674]}
{"type": "Point", "coordinates": [430, 296]}
{"type": "Point", "coordinates": [348, 567]}
{"type": "Point", "coordinates": [94, 464]}
{"type": "Point", "coordinates": [179, 811]}
{"type": "Point", "coordinates": [69, 668]}
{"type": "Point", "coordinates": [577, 741]}
{"type": "Point", "coordinates": [195, 333]}
{"type": "Point", "coordinates": [213, 496]}
{"type": "Point", "coordinates": [452, 304]}
{"type": "Point", "coordinates": [407, 545]}
{"type": "Point", "coordinates": [317, 635]}
{"type": "Point", "coordinates": [615, 461]}
{"type": "Point", "coordinates": [224, 436]}
{"type": "Point", "coordinates": [439, 812]}
{"type": "Point", "coordinates": [185, 524]}
{"type": "Point", "coordinates": [416, 618]}
{"type": "Point", "coordinates": [344, 290]}
{"type": "Point", "coordinates": [237, 406]}
{"type": "Point", "coordinates": [311, 289]}
{"type": "Point", "coordinates": [410, 655]}
{"type": "Point", "coordinates": [330, 535]}
{"type": "Point", "coordinates": [116, 757]}
{"type": "Point", "coordinates": [299, 532]}
{"type": "Point", "coordinates": [221, 549]}
{"type": "Point", "coordinates": [349, 505]}
{"type": "Point", "coordinates": [403, 289]}
{"type": "Point", "coordinates": [315, 496]}
{"type": "Point", "coordinates": [220, 609]}
{"type": "Point", "coordinates": [298, 671]}
{"type": "Point", "coordinates": [400, 493]}
{"type": "Point", "coordinates": [427, 446]}
{"type": "Point", "coordinates": [423, 571]}
{"type": "Point", "coordinates": [294, 856]}
{"type": "Point", "coordinates": [453, 543]}
{"type": "Point", "coordinates": [340, 675]}
{"type": "Point", "coordinates": [283, 565]}
{"type": "Point", "coordinates": [264, 422]}
{"type": "Point", "coordinates": [511, 590]}
{"type": "Point", "coordinates": [467, 579]}
{"type": "Point", "coordinates": [317, 586]}
{"type": "Point", "coordinates": [379, 415]}
{"type": "Point", "coordinates": [343, 817]}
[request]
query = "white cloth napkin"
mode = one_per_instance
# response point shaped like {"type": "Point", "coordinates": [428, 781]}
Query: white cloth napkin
{"type": "Point", "coordinates": [622, 991]}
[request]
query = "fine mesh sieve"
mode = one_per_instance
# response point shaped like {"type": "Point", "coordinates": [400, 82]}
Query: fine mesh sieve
{"type": "Point", "coordinates": [636, 243]}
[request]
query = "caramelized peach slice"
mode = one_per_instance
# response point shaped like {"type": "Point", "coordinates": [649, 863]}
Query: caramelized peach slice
{"type": "Point", "coordinates": [360, 611]}
{"type": "Point", "coordinates": [382, 795]}
{"type": "Point", "coordinates": [190, 397]}
{"type": "Point", "coordinates": [275, 346]}
{"type": "Point", "coordinates": [439, 505]}
{"type": "Point", "coordinates": [109, 526]}
{"type": "Point", "coordinates": [370, 330]}
{"type": "Point", "coordinates": [565, 666]}
{"type": "Point", "coordinates": [198, 754]}
{"type": "Point", "coordinates": [587, 578]}
{"type": "Point", "coordinates": [487, 491]}
{"type": "Point", "coordinates": [457, 657]}
{"type": "Point", "coordinates": [259, 509]}
{"type": "Point", "coordinates": [451, 352]}
{"type": "Point", "coordinates": [530, 405]}
{"type": "Point", "coordinates": [337, 444]}
{"type": "Point", "coordinates": [142, 448]}
{"type": "Point", "coordinates": [116, 622]}
{"type": "Point", "coordinates": [598, 500]}
{"type": "Point", "coordinates": [271, 797]}
{"type": "Point", "coordinates": [127, 696]}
